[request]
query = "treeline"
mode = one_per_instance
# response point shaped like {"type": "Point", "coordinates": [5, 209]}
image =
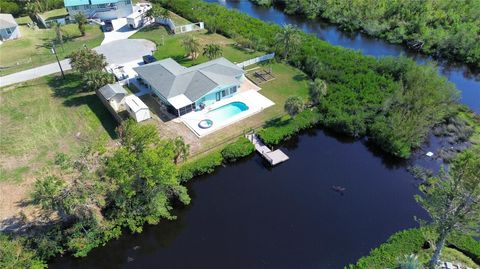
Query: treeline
{"type": "Point", "coordinates": [93, 198]}
{"type": "Point", "coordinates": [24, 7]}
{"type": "Point", "coordinates": [393, 100]}
{"type": "Point", "coordinates": [445, 28]}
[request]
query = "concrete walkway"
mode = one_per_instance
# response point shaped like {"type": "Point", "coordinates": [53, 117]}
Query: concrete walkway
{"type": "Point", "coordinates": [34, 73]}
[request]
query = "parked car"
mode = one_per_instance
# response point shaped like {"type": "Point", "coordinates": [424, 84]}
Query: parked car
{"type": "Point", "coordinates": [107, 26]}
{"type": "Point", "coordinates": [149, 59]}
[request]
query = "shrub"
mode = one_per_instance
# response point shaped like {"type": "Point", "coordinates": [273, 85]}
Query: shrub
{"type": "Point", "coordinates": [241, 148]}
{"type": "Point", "coordinates": [203, 165]}
{"type": "Point", "coordinates": [467, 245]}
{"type": "Point", "coordinates": [280, 130]}
{"type": "Point", "coordinates": [398, 245]}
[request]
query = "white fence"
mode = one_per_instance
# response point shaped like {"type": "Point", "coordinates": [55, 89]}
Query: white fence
{"type": "Point", "coordinates": [256, 60]}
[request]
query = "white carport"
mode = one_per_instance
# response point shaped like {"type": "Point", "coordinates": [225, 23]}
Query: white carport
{"type": "Point", "coordinates": [136, 108]}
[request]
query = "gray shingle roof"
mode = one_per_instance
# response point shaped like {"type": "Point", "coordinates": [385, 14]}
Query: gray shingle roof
{"type": "Point", "coordinates": [7, 21]}
{"type": "Point", "coordinates": [172, 79]}
{"type": "Point", "coordinates": [110, 90]}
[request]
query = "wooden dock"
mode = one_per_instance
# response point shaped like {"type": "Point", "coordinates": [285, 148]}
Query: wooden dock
{"type": "Point", "coordinates": [273, 157]}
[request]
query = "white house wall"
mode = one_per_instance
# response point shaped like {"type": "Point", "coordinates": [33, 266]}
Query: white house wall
{"type": "Point", "coordinates": [123, 9]}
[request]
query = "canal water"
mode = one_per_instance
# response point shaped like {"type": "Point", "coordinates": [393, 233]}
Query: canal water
{"type": "Point", "coordinates": [246, 215]}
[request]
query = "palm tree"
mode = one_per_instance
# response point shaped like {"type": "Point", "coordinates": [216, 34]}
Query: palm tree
{"type": "Point", "coordinates": [180, 149]}
{"type": "Point", "coordinates": [288, 38]}
{"type": "Point", "coordinates": [212, 51]}
{"type": "Point", "coordinates": [32, 9]}
{"type": "Point", "coordinates": [81, 21]}
{"type": "Point", "coordinates": [317, 90]}
{"type": "Point", "coordinates": [192, 47]}
{"type": "Point", "coordinates": [293, 106]}
{"type": "Point", "coordinates": [409, 262]}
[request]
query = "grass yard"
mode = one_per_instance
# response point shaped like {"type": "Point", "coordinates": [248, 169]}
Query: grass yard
{"type": "Point", "coordinates": [33, 47]}
{"type": "Point", "coordinates": [169, 45]}
{"type": "Point", "coordinates": [45, 116]}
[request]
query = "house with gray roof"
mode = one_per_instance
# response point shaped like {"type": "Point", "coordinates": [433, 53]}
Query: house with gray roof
{"type": "Point", "coordinates": [99, 9]}
{"type": "Point", "coordinates": [185, 89]}
{"type": "Point", "coordinates": [8, 27]}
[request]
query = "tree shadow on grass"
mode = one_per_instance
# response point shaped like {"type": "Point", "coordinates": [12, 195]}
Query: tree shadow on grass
{"type": "Point", "coordinates": [277, 122]}
{"type": "Point", "coordinates": [300, 77]}
{"type": "Point", "coordinates": [73, 93]}
{"type": "Point", "coordinates": [96, 106]}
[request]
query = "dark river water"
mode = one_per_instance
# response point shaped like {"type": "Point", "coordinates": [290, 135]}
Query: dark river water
{"type": "Point", "coordinates": [247, 216]}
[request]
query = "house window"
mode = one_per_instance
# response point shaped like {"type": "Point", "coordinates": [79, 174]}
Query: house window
{"type": "Point", "coordinates": [224, 93]}
{"type": "Point", "coordinates": [9, 31]}
{"type": "Point", "coordinates": [233, 90]}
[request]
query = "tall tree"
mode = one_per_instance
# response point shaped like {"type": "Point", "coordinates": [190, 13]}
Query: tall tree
{"type": "Point", "coordinates": [85, 60]}
{"type": "Point", "coordinates": [81, 21]}
{"type": "Point", "coordinates": [288, 39]}
{"type": "Point", "coordinates": [452, 199]}
{"type": "Point", "coordinates": [212, 51]}
{"type": "Point", "coordinates": [97, 79]}
{"type": "Point", "coordinates": [317, 90]}
{"type": "Point", "coordinates": [144, 178]}
{"type": "Point", "coordinates": [191, 46]}
{"type": "Point", "coordinates": [293, 106]}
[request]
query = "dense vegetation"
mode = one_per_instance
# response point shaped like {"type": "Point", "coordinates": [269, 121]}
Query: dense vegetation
{"type": "Point", "coordinates": [23, 7]}
{"type": "Point", "coordinates": [444, 28]}
{"type": "Point", "coordinates": [96, 196]}
{"type": "Point", "coordinates": [393, 100]}
{"type": "Point", "coordinates": [408, 242]}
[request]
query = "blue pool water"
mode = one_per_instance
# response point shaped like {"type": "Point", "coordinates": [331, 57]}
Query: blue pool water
{"type": "Point", "coordinates": [227, 111]}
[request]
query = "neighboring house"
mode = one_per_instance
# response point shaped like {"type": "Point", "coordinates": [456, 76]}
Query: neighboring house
{"type": "Point", "coordinates": [99, 9]}
{"type": "Point", "coordinates": [183, 89]}
{"type": "Point", "coordinates": [8, 27]}
{"type": "Point", "coordinates": [136, 108]}
{"type": "Point", "coordinates": [112, 96]}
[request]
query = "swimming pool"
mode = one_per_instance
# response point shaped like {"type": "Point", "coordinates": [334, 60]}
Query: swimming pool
{"type": "Point", "coordinates": [227, 111]}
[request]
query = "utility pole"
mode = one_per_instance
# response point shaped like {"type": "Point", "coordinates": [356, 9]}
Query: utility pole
{"type": "Point", "coordinates": [54, 51]}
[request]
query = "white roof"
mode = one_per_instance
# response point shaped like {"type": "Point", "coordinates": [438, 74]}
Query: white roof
{"type": "Point", "coordinates": [179, 101]}
{"type": "Point", "coordinates": [134, 103]}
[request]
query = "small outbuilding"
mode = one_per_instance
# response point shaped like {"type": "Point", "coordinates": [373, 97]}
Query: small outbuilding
{"type": "Point", "coordinates": [8, 27]}
{"type": "Point", "coordinates": [136, 108]}
{"type": "Point", "coordinates": [112, 95]}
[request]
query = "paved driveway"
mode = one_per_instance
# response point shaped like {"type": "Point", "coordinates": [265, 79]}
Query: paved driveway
{"type": "Point", "coordinates": [127, 50]}
{"type": "Point", "coordinates": [120, 31]}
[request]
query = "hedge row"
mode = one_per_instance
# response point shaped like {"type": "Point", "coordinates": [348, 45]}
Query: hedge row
{"type": "Point", "coordinates": [411, 241]}
{"type": "Point", "coordinates": [242, 148]}
{"type": "Point", "coordinates": [207, 164]}
{"type": "Point", "coordinates": [280, 130]}
{"type": "Point", "coordinates": [467, 245]}
{"type": "Point", "coordinates": [398, 245]}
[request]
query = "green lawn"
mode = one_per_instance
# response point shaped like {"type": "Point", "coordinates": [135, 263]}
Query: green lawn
{"type": "Point", "coordinates": [45, 116]}
{"type": "Point", "coordinates": [33, 47]}
{"type": "Point", "coordinates": [169, 45]}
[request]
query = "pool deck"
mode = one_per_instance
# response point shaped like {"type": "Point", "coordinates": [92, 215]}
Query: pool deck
{"type": "Point", "coordinates": [255, 101]}
{"type": "Point", "coordinates": [273, 157]}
